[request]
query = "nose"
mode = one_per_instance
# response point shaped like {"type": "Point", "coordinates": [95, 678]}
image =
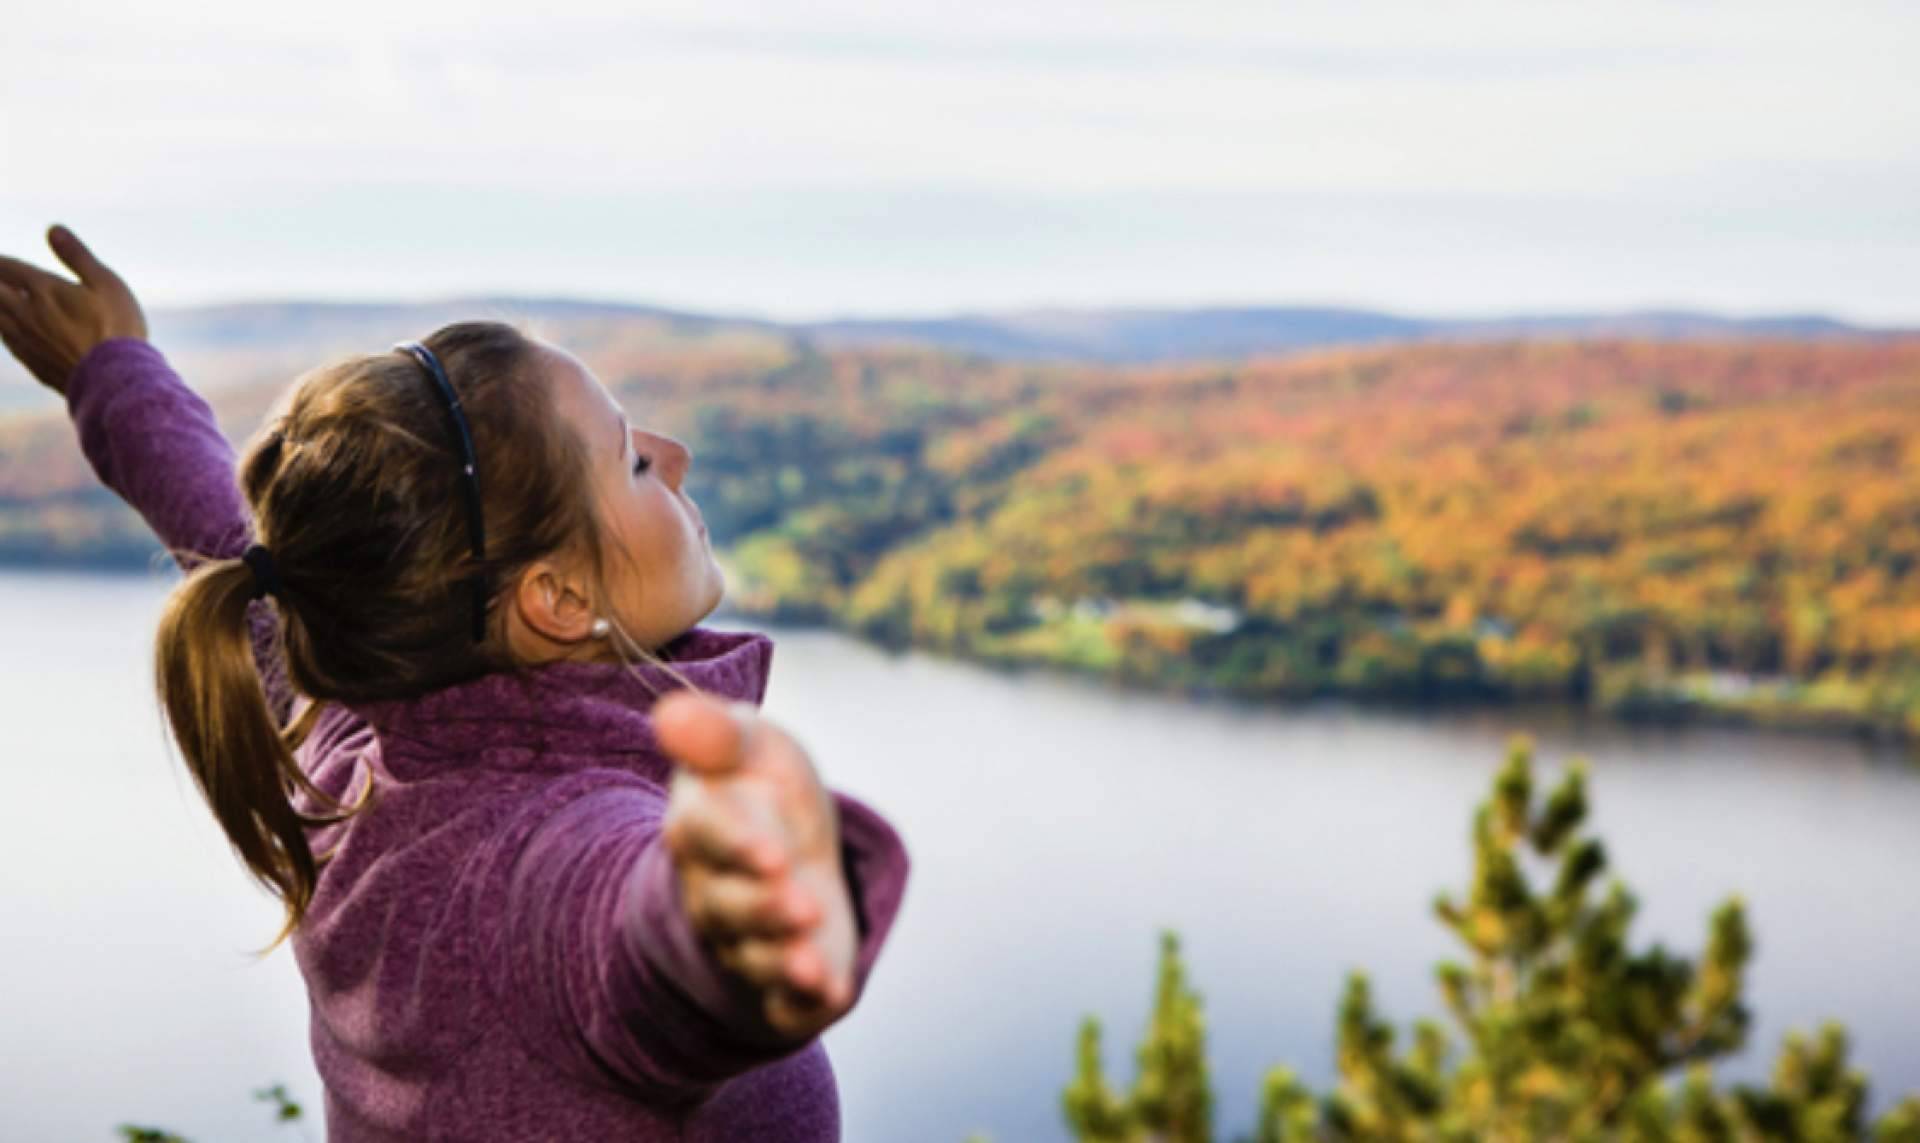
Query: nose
{"type": "Point", "coordinates": [670, 456]}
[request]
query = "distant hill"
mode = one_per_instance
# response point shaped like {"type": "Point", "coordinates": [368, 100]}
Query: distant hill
{"type": "Point", "coordinates": [252, 325]}
{"type": "Point", "coordinates": [306, 331]}
{"type": "Point", "coordinates": [248, 343]}
{"type": "Point", "coordinates": [1133, 336]}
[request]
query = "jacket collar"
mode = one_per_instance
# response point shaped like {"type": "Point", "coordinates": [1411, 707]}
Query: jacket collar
{"type": "Point", "coordinates": [551, 716]}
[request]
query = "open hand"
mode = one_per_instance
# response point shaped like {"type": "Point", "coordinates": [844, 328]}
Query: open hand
{"type": "Point", "coordinates": [50, 323]}
{"type": "Point", "coordinates": [756, 840]}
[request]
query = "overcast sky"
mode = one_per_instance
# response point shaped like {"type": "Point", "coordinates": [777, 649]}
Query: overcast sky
{"type": "Point", "coordinates": [801, 160]}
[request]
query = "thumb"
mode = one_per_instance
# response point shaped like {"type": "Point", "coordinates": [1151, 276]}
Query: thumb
{"type": "Point", "coordinates": [92, 272]}
{"type": "Point", "coordinates": [701, 733]}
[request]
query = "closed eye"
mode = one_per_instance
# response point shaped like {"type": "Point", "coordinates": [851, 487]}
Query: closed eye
{"type": "Point", "coordinates": [641, 461]}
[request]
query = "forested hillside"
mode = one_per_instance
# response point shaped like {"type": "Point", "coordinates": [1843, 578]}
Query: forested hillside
{"type": "Point", "coordinates": [1658, 528]}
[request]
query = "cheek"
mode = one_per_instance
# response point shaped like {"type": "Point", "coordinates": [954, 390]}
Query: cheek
{"type": "Point", "coordinates": [626, 534]}
{"type": "Point", "coordinates": [656, 538]}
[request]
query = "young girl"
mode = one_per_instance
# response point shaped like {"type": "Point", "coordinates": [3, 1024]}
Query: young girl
{"type": "Point", "coordinates": [435, 667]}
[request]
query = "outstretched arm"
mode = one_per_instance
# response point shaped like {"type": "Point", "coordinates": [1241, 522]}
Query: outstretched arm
{"type": "Point", "coordinates": [148, 437]}
{"type": "Point", "coordinates": [672, 943]}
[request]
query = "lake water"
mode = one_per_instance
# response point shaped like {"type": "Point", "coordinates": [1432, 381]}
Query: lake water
{"type": "Point", "coordinates": [1056, 827]}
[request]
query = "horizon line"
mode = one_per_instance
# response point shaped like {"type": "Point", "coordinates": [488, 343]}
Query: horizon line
{"type": "Point", "coordinates": [1668, 309]}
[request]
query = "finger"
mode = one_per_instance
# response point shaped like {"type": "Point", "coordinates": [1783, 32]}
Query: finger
{"type": "Point", "coordinates": [733, 906]}
{"type": "Point", "coordinates": [74, 254]}
{"type": "Point", "coordinates": [792, 966]}
{"type": "Point", "coordinates": [758, 961]}
{"type": "Point", "coordinates": [27, 277]}
{"type": "Point", "coordinates": [805, 1014]}
{"type": "Point", "coordinates": [711, 736]}
{"type": "Point", "coordinates": [702, 733]}
{"type": "Point", "coordinates": [803, 969]}
{"type": "Point", "coordinates": [11, 325]}
{"type": "Point", "coordinates": [763, 962]}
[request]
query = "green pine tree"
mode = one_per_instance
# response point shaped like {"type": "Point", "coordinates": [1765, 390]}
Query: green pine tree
{"type": "Point", "coordinates": [1094, 1112]}
{"type": "Point", "coordinates": [1560, 1029]}
{"type": "Point", "coordinates": [1171, 1100]}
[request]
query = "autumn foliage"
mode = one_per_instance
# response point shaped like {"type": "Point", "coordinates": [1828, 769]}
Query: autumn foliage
{"type": "Point", "coordinates": [1661, 529]}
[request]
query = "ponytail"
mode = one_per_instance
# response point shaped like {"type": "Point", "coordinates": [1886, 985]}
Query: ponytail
{"type": "Point", "coordinates": [240, 757]}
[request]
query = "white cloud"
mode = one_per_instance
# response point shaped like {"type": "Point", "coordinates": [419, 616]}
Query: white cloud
{"type": "Point", "coordinates": [1802, 118]}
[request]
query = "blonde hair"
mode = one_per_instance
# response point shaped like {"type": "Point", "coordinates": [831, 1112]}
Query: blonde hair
{"type": "Point", "coordinates": [354, 490]}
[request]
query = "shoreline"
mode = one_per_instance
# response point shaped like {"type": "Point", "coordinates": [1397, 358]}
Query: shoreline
{"type": "Point", "coordinates": [1674, 710]}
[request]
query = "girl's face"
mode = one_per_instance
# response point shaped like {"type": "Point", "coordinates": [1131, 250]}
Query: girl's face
{"type": "Point", "coordinates": [660, 571]}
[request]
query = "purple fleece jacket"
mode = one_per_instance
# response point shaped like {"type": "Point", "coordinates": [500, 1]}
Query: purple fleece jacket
{"type": "Point", "coordinates": [497, 950]}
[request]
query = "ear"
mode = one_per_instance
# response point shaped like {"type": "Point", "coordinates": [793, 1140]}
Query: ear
{"type": "Point", "coordinates": [552, 602]}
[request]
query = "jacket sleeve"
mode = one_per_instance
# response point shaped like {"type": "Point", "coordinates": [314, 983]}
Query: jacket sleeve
{"type": "Point", "coordinates": [155, 444]}
{"type": "Point", "coordinates": [606, 972]}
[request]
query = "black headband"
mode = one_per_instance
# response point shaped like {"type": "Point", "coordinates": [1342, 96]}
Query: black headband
{"type": "Point", "coordinates": [463, 441]}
